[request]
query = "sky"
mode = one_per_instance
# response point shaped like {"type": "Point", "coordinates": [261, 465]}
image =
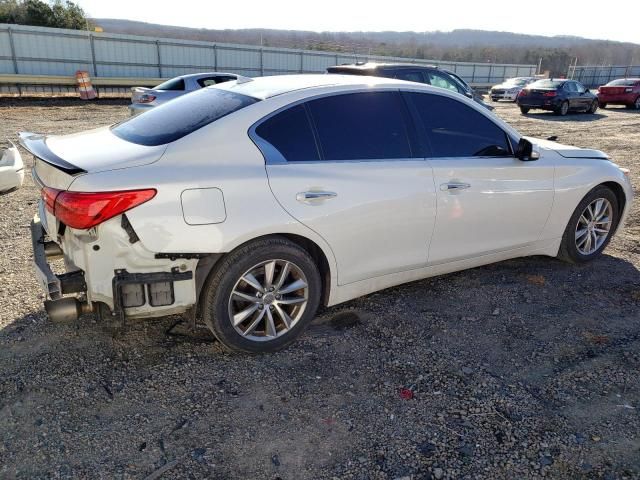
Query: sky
{"type": "Point", "coordinates": [584, 18]}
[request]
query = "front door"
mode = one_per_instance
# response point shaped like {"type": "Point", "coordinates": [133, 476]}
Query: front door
{"type": "Point", "coordinates": [488, 201]}
{"type": "Point", "coordinates": [344, 166]}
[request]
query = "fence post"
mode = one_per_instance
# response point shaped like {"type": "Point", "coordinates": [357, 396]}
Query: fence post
{"type": "Point", "coordinates": [473, 74]}
{"type": "Point", "coordinates": [93, 55]}
{"type": "Point", "coordinates": [301, 61]}
{"type": "Point", "coordinates": [261, 62]}
{"type": "Point", "coordinates": [159, 59]}
{"type": "Point", "coordinates": [489, 76]}
{"type": "Point", "coordinates": [14, 59]}
{"type": "Point", "coordinates": [337, 59]}
{"type": "Point", "coordinates": [215, 57]}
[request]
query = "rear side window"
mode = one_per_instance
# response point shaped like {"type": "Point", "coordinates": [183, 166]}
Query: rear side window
{"type": "Point", "coordinates": [208, 81]}
{"type": "Point", "coordinates": [410, 76]}
{"type": "Point", "coordinates": [454, 129]}
{"type": "Point", "coordinates": [290, 133]}
{"type": "Point", "coordinates": [173, 84]}
{"type": "Point", "coordinates": [442, 80]}
{"type": "Point", "coordinates": [623, 83]}
{"type": "Point", "coordinates": [181, 116]}
{"type": "Point", "coordinates": [361, 126]}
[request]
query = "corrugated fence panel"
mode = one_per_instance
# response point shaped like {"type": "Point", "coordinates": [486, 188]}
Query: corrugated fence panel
{"type": "Point", "coordinates": [282, 62]}
{"type": "Point", "coordinates": [596, 76]}
{"type": "Point", "coordinates": [51, 51]}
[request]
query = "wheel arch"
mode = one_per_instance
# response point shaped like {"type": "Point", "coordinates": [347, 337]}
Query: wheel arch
{"type": "Point", "coordinates": [621, 196]}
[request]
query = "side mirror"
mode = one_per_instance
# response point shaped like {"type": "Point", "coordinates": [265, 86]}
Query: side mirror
{"type": "Point", "coordinates": [525, 151]}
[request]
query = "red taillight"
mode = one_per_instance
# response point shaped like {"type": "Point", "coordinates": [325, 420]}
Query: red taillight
{"type": "Point", "coordinates": [84, 210]}
{"type": "Point", "coordinates": [49, 197]}
{"type": "Point", "coordinates": [146, 98]}
{"type": "Point", "coordinates": [523, 93]}
{"type": "Point", "coordinates": [550, 94]}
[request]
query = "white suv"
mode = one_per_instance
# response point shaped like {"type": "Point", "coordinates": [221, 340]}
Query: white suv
{"type": "Point", "coordinates": [251, 203]}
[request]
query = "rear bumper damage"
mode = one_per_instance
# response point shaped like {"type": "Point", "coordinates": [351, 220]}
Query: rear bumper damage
{"type": "Point", "coordinates": [104, 266]}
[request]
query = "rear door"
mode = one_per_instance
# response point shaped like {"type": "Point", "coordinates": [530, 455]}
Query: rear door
{"type": "Point", "coordinates": [488, 201]}
{"type": "Point", "coordinates": [344, 166]}
{"type": "Point", "coordinates": [584, 99]}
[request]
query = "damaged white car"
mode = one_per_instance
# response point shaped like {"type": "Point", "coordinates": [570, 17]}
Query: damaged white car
{"type": "Point", "coordinates": [251, 203]}
{"type": "Point", "coordinates": [11, 169]}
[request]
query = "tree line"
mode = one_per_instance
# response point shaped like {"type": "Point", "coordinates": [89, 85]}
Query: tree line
{"type": "Point", "coordinates": [55, 13]}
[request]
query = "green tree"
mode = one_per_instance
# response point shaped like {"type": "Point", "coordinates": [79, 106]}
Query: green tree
{"type": "Point", "coordinates": [54, 13]}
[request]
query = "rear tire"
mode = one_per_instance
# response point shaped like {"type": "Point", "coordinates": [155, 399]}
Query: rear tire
{"type": "Point", "coordinates": [602, 105]}
{"type": "Point", "coordinates": [524, 110]}
{"type": "Point", "coordinates": [264, 314]}
{"type": "Point", "coordinates": [587, 221]}
{"type": "Point", "coordinates": [562, 110]}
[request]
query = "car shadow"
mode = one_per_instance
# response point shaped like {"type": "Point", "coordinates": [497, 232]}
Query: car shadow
{"type": "Point", "coordinates": [622, 109]}
{"type": "Point", "coordinates": [570, 117]}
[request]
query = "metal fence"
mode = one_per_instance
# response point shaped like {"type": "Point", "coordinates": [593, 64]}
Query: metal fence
{"type": "Point", "coordinates": [592, 76]}
{"type": "Point", "coordinates": [29, 50]}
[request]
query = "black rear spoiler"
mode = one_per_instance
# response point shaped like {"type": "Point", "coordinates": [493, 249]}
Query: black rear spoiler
{"type": "Point", "coordinates": [36, 144]}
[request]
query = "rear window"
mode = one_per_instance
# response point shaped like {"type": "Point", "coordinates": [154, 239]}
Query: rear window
{"type": "Point", "coordinates": [173, 84]}
{"type": "Point", "coordinates": [547, 84]}
{"type": "Point", "coordinates": [177, 118]}
{"type": "Point", "coordinates": [622, 83]}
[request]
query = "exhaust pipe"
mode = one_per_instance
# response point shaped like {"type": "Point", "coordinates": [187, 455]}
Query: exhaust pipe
{"type": "Point", "coordinates": [66, 310]}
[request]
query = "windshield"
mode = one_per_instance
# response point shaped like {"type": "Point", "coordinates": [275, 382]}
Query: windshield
{"type": "Point", "coordinates": [177, 118]}
{"type": "Point", "coordinates": [549, 84]}
{"type": "Point", "coordinates": [623, 82]}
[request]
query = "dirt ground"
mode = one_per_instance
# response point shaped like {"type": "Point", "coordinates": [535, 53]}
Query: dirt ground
{"type": "Point", "coordinates": [524, 369]}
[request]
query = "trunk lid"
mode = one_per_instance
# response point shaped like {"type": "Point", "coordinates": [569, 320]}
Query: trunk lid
{"type": "Point", "coordinates": [612, 90]}
{"type": "Point", "coordinates": [137, 92]}
{"type": "Point", "coordinates": [60, 159]}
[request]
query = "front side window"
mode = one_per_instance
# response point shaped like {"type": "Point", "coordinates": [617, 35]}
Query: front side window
{"type": "Point", "coordinates": [361, 126]}
{"type": "Point", "coordinates": [579, 87]}
{"type": "Point", "coordinates": [442, 81]}
{"type": "Point", "coordinates": [454, 129]}
{"type": "Point", "coordinates": [290, 133]}
{"type": "Point", "coordinates": [175, 119]}
{"type": "Point", "coordinates": [173, 84]}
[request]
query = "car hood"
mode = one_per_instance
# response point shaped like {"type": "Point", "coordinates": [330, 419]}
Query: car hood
{"type": "Point", "coordinates": [568, 151]}
{"type": "Point", "coordinates": [89, 152]}
{"type": "Point", "coordinates": [506, 86]}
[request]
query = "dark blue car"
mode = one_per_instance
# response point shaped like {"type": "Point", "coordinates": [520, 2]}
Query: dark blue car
{"type": "Point", "coordinates": [559, 96]}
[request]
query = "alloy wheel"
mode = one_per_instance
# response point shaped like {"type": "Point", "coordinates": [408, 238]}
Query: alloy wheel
{"type": "Point", "coordinates": [593, 226]}
{"type": "Point", "coordinates": [637, 103]}
{"type": "Point", "coordinates": [268, 300]}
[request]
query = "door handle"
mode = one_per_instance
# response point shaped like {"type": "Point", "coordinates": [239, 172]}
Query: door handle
{"type": "Point", "coordinates": [453, 186]}
{"type": "Point", "coordinates": [315, 196]}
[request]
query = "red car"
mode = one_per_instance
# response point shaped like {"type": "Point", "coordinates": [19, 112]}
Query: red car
{"type": "Point", "coordinates": [624, 91]}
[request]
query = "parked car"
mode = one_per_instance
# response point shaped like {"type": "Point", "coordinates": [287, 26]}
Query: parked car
{"type": "Point", "coordinates": [250, 204]}
{"type": "Point", "coordinates": [143, 98]}
{"type": "Point", "coordinates": [510, 88]}
{"type": "Point", "coordinates": [429, 74]}
{"type": "Point", "coordinates": [624, 91]}
{"type": "Point", "coordinates": [11, 169]}
{"type": "Point", "coordinates": [560, 96]}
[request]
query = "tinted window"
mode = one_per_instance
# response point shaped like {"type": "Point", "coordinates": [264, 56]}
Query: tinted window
{"type": "Point", "coordinates": [177, 118]}
{"type": "Point", "coordinates": [173, 84]}
{"type": "Point", "coordinates": [361, 126]}
{"type": "Point", "coordinates": [553, 84]}
{"type": "Point", "coordinates": [579, 87]}
{"type": "Point", "coordinates": [570, 87]}
{"type": "Point", "coordinates": [208, 81]}
{"type": "Point", "coordinates": [443, 81]}
{"type": "Point", "coordinates": [290, 133]}
{"type": "Point", "coordinates": [454, 129]}
{"type": "Point", "coordinates": [410, 76]}
{"type": "Point", "coordinates": [622, 83]}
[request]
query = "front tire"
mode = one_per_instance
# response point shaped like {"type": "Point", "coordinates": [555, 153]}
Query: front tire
{"type": "Point", "coordinates": [591, 226]}
{"type": "Point", "coordinates": [593, 108]}
{"type": "Point", "coordinates": [262, 296]}
{"type": "Point", "coordinates": [635, 105]}
{"type": "Point", "coordinates": [524, 110]}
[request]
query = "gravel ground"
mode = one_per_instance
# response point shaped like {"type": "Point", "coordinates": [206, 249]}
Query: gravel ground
{"type": "Point", "coordinates": [524, 369]}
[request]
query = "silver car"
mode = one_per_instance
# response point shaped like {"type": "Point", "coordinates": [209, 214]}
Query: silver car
{"type": "Point", "coordinates": [143, 98]}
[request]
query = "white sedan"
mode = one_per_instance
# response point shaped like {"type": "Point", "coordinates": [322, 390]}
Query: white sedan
{"type": "Point", "coordinates": [250, 203]}
{"type": "Point", "coordinates": [510, 88]}
{"type": "Point", "coordinates": [11, 170]}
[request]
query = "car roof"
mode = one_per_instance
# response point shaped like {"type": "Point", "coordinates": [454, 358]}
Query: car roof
{"type": "Point", "coordinates": [373, 65]}
{"type": "Point", "coordinates": [206, 74]}
{"type": "Point", "coordinates": [266, 87]}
